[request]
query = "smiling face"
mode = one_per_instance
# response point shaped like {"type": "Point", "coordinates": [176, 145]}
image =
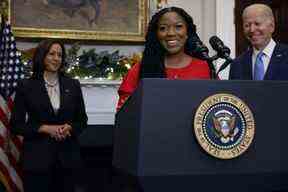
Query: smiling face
{"type": "Point", "coordinates": [172, 32]}
{"type": "Point", "coordinates": [53, 59]}
{"type": "Point", "coordinates": [258, 25]}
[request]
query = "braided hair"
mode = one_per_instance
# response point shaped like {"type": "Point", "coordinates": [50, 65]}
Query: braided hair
{"type": "Point", "coordinates": [152, 65]}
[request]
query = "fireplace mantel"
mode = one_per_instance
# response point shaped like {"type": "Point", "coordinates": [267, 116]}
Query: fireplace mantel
{"type": "Point", "coordinates": [100, 98]}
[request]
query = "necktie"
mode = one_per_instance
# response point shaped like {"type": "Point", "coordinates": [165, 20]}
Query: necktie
{"type": "Point", "coordinates": [259, 67]}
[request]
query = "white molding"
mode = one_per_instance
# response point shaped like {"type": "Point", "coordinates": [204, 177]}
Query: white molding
{"type": "Point", "coordinates": [99, 82]}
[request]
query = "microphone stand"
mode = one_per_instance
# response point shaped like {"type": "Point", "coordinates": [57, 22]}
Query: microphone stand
{"type": "Point", "coordinates": [224, 66]}
{"type": "Point", "coordinates": [209, 60]}
{"type": "Point", "coordinates": [213, 74]}
{"type": "Point", "coordinates": [203, 54]}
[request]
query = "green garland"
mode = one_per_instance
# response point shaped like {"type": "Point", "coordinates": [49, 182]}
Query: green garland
{"type": "Point", "coordinates": [92, 65]}
{"type": "Point", "coordinates": [105, 65]}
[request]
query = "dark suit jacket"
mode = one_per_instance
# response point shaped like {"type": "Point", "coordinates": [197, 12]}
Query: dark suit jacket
{"type": "Point", "coordinates": [241, 67]}
{"type": "Point", "coordinates": [32, 108]}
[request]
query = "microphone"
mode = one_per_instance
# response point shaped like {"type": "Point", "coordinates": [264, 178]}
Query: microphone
{"type": "Point", "coordinates": [222, 50]}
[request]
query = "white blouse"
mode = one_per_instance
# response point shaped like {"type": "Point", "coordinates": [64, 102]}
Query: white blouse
{"type": "Point", "coordinates": [53, 90]}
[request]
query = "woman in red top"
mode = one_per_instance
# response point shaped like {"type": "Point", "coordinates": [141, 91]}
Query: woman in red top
{"type": "Point", "coordinates": [169, 50]}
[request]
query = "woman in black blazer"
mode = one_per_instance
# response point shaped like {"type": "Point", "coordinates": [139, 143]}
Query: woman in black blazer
{"type": "Point", "coordinates": [49, 112]}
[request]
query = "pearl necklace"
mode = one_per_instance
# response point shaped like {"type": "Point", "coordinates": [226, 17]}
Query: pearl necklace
{"type": "Point", "coordinates": [51, 84]}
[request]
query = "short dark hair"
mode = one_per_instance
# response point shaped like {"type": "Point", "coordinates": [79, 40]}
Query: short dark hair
{"type": "Point", "coordinates": [42, 50]}
{"type": "Point", "coordinates": [152, 65]}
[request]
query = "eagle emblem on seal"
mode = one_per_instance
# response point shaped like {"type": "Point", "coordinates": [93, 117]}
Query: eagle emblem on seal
{"type": "Point", "coordinates": [224, 126]}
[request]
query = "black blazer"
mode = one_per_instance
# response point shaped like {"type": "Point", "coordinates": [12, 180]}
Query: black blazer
{"type": "Point", "coordinates": [32, 108]}
{"type": "Point", "coordinates": [241, 67]}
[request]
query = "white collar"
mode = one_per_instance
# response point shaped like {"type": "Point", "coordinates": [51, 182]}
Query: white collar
{"type": "Point", "coordinates": [268, 50]}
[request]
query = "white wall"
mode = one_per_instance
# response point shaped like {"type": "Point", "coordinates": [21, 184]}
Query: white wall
{"type": "Point", "coordinates": [225, 27]}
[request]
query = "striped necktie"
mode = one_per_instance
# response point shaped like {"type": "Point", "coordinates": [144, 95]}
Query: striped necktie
{"type": "Point", "coordinates": [259, 67]}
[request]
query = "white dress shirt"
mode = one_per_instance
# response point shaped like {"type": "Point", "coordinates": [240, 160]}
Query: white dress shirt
{"type": "Point", "coordinates": [267, 54]}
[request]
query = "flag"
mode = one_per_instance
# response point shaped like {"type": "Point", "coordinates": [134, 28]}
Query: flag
{"type": "Point", "coordinates": [11, 70]}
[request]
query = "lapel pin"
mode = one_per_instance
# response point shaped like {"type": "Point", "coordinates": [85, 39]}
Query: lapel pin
{"type": "Point", "coordinates": [279, 55]}
{"type": "Point", "coordinates": [67, 91]}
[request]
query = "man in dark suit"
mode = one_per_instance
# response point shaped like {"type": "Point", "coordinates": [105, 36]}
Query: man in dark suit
{"type": "Point", "coordinates": [265, 59]}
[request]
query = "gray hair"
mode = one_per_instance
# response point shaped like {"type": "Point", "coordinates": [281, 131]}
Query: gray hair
{"type": "Point", "coordinates": [263, 8]}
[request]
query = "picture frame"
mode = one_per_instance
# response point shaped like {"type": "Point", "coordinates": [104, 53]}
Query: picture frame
{"type": "Point", "coordinates": [103, 20]}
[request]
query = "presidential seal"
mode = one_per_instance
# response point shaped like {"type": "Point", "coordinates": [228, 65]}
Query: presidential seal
{"type": "Point", "coordinates": [224, 126]}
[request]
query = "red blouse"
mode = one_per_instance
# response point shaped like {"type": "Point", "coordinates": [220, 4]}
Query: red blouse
{"type": "Point", "coordinates": [197, 69]}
